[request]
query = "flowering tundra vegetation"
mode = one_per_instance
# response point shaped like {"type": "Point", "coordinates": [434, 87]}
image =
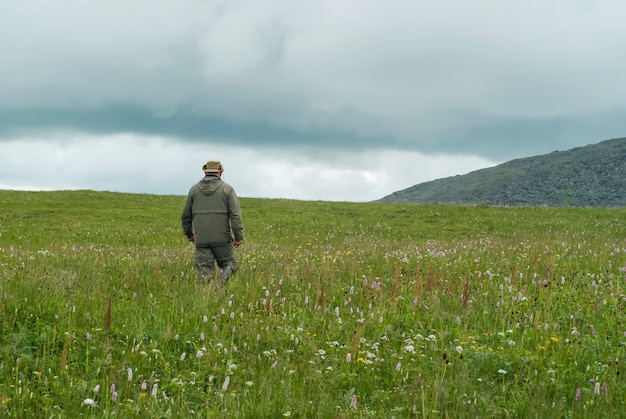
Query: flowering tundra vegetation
{"type": "Point", "coordinates": [338, 310]}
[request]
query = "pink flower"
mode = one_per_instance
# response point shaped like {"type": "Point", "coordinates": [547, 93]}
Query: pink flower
{"type": "Point", "coordinates": [353, 402]}
{"type": "Point", "coordinates": [578, 393]}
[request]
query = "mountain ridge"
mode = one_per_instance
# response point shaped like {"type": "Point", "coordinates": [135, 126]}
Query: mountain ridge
{"type": "Point", "coordinates": [588, 176]}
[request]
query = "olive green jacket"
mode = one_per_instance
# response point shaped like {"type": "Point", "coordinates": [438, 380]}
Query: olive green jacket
{"type": "Point", "coordinates": [212, 213]}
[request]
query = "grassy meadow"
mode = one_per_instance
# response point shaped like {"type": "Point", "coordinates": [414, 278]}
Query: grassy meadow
{"type": "Point", "coordinates": [339, 310]}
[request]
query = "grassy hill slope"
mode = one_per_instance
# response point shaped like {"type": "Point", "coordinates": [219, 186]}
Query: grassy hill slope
{"type": "Point", "coordinates": [346, 310]}
{"type": "Point", "coordinates": [591, 176]}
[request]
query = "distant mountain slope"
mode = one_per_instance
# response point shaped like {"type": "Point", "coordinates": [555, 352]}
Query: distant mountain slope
{"type": "Point", "coordinates": [590, 176]}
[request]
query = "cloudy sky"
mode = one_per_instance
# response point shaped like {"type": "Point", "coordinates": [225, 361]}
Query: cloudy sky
{"type": "Point", "coordinates": [345, 100]}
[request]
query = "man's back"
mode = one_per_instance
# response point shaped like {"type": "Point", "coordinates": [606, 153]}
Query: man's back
{"type": "Point", "coordinates": [213, 208]}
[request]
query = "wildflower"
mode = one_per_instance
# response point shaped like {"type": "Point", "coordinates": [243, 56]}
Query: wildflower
{"type": "Point", "coordinates": [578, 394]}
{"type": "Point", "coordinates": [398, 366]}
{"type": "Point", "coordinates": [96, 388]}
{"type": "Point", "coordinates": [459, 349]}
{"type": "Point", "coordinates": [274, 364]}
{"type": "Point", "coordinates": [114, 396]}
{"type": "Point", "coordinates": [164, 396]}
{"type": "Point", "coordinates": [249, 383]}
{"type": "Point", "coordinates": [199, 354]}
{"type": "Point", "coordinates": [183, 355]}
{"type": "Point", "coordinates": [348, 357]}
{"type": "Point", "coordinates": [605, 389]}
{"type": "Point", "coordinates": [226, 382]}
{"type": "Point", "coordinates": [205, 319]}
{"type": "Point", "coordinates": [593, 330]}
{"type": "Point", "coordinates": [202, 336]}
{"type": "Point", "coordinates": [112, 388]}
{"type": "Point", "coordinates": [154, 389]}
{"type": "Point", "coordinates": [410, 349]}
{"type": "Point", "coordinates": [458, 320]}
{"type": "Point", "coordinates": [90, 402]}
{"type": "Point", "coordinates": [574, 331]}
{"type": "Point", "coordinates": [353, 402]}
{"type": "Point", "coordinates": [596, 388]}
{"type": "Point", "coordinates": [144, 385]}
{"type": "Point", "coordinates": [501, 371]}
{"type": "Point", "coordinates": [130, 374]}
{"type": "Point", "coordinates": [87, 336]}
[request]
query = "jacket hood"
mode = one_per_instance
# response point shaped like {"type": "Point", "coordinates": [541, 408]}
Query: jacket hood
{"type": "Point", "coordinates": [209, 184]}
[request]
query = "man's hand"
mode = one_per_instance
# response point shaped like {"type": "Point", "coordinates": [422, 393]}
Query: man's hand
{"type": "Point", "coordinates": [191, 238]}
{"type": "Point", "coordinates": [237, 243]}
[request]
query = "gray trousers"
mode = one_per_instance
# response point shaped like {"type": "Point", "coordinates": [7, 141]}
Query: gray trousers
{"type": "Point", "coordinates": [207, 256]}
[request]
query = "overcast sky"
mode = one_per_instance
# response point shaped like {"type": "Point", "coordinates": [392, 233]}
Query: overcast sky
{"type": "Point", "coordinates": [345, 100]}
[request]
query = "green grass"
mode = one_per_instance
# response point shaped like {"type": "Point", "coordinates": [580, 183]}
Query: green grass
{"type": "Point", "coordinates": [339, 310]}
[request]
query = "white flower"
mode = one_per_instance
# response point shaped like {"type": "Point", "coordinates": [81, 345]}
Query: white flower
{"type": "Point", "coordinates": [410, 349]}
{"type": "Point", "coordinates": [459, 349]}
{"type": "Point", "coordinates": [90, 402]}
{"type": "Point", "coordinates": [501, 371]}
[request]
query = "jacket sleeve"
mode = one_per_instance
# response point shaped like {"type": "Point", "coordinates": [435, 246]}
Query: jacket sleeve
{"type": "Point", "coordinates": [186, 218]}
{"type": "Point", "coordinates": [234, 211]}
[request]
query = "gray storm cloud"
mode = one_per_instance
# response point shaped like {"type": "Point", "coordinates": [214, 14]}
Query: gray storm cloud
{"type": "Point", "coordinates": [496, 79]}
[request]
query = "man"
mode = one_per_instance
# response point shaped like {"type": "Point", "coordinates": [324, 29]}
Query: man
{"type": "Point", "coordinates": [212, 220]}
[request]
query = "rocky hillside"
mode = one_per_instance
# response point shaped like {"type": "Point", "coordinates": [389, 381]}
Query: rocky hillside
{"type": "Point", "coordinates": [590, 176]}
